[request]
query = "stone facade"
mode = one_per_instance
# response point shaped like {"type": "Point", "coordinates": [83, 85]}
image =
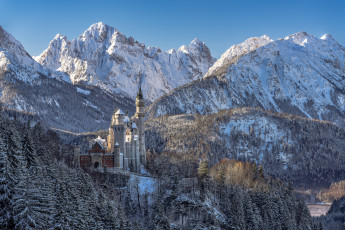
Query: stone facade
{"type": "Point", "coordinates": [125, 145]}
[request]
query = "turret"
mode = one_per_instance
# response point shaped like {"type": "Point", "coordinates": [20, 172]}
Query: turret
{"type": "Point", "coordinates": [119, 131]}
{"type": "Point", "coordinates": [119, 117]}
{"type": "Point", "coordinates": [118, 157]}
{"type": "Point", "coordinates": [139, 102]}
{"type": "Point", "coordinates": [140, 122]}
{"type": "Point", "coordinates": [76, 153]}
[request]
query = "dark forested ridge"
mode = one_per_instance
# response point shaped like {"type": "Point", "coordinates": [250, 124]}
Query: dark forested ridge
{"type": "Point", "coordinates": [309, 153]}
{"type": "Point", "coordinates": [40, 189]}
{"type": "Point", "coordinates": [335, 218]}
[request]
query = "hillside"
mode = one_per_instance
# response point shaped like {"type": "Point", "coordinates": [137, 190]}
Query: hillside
{"type": "Point", "coordinates": [335, 218]}
{"type": "Point", "coordinates": [309, 153]}
{"type": "Point", "coordinates": [41, 188]}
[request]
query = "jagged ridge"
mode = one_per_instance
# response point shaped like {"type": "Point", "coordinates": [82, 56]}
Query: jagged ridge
{"type": "Point", "coordinates": [300, 74]}
{"type": "Point", "coordinates": [105, 57]}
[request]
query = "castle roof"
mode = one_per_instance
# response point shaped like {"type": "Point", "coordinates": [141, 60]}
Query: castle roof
{"type": "Point", "coordinates": [98, 140]}
{"type": "Point", "coordinates": [140, 94]}
{"type": "Point", "coordinates": [134, 126]}
{"type": "Point", "coordinates": [126, 119]}
{"type": "Point", "coordinates": [120, 112]}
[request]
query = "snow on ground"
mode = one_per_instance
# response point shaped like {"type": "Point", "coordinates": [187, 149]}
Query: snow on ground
{"type": "Point", "coordinates": [88, 103]}
{"type": "Point", "coordinates": [318, 209]}
{"type": "Point", "coordinates": [145, 185]}
{"type": "Point", "coordinates": [263, 128]}
{"type": "Point", "coordinates": [86, 92]}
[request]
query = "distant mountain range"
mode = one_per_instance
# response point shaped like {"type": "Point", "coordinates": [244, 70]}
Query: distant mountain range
{"type": "Point", "coordinates": [300, 74]}
{"type": "Point", "coordinates": [105, 57]}
{"type": "Point", "coordinates": [77, 85]}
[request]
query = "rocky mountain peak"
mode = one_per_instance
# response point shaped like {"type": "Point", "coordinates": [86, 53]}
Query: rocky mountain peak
{"type": "Point", "coordinates": [301, 38]}
{"type": "Point", "coordinates": [98, 32]}
{"type": "Point", "coordinates": [197, 49]}
{"type": "Point", "coordinates": [105, 57]}
{"type": "Point", "coordinates": [327, 37]}
{"type": "Point", "coordinates": [300, 74]}
{"type": "Point", "coordinates": [235, 52]}
{"type": "Point", "coordinates": [60, 37]}
{"type": "Point", "coordinates": [197, 41]}
{"type": "Point", "coordinates": [13, 47]}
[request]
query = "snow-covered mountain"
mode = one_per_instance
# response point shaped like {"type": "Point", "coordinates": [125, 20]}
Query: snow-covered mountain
{"type": "Point", "coordinates": [14, 58]}
{"type": "Point", "coordinates": [104, 57]}
{"type": "Point", "coordinates": [26, 85]}
{"type": "Point", "coordinates": [300, 74]}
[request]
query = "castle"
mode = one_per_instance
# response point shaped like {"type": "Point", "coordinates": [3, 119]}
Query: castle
{"type": "Point", "coordinates": [125, 146]}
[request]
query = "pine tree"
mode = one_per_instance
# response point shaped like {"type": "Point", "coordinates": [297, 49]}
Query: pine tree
{"type": "Point", "coordinates": [32, 201]}
{"type": "Point", "coordinates": [38, 138]}
{"type": "Point", "coordinates": [304, 220]}
{"type": "Point", "coordinates": [250, 218]}
{"type": "Point", "coordinates": [160, 221]}
{"type": "Point", "coordinates": [5, 190]}
{"type": "Point", "coordinates": [226, 206]}
{"type": "Point", "coordinates": [238, 214]}
{"type": "Point", "coordinates": [23, 214]}
{"type": "Point", "coordinates": [146, 216]}
{"type": "Point", "coordinates": [28, 148]}
{"type": "Point", "coordinates": [61, 218]}
{"type": "Point", "coordinates": [13, 148]}
{"type": "Point", "coordinates": [204, 177]}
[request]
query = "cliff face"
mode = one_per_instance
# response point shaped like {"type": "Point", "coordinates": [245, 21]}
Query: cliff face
{"type": "Point", "coordinates": [104, 57]}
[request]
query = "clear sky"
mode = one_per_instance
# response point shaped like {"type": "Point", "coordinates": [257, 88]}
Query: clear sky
{"type": "Point", "coordinates": [169, 24]}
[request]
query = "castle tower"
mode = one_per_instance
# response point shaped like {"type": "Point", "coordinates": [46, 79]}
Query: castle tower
{"type": "Point", "coordinates": [119, 131]}
{"type": "Point", "coordinates": [118, 157]}
{"type": "Point", "coordinates": [76, 152]}
{"type": "Point", "coordinates": [132, 151]}
{"type": "Point", "coordinates": [140, 122]}
{"type": "Point", "coordinates": [110, 139]}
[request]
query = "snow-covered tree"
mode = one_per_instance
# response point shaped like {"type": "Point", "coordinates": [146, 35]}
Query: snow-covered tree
{"type": "Point", "coordinates": [204, 177]}
{"type": "Point", "coordinates": [29, 152]}
{"type": "Point", "coordinates": [5, 189]}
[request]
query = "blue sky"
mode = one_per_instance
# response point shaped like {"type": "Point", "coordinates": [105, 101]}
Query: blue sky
{"type": "Point", "coordinates": [169, 24]}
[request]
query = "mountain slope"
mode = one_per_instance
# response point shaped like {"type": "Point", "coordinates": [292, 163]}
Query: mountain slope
{"type": "Point", "coordinates": [307, 152]}
{"type": "Point", "coordinates": [335, 217]}
{"type": "Point", "coordinates": [26, 85]}
{"type": "Point", "coordinates": [104, 57]}
{"type": "Point", "coordinates": [300, 75]}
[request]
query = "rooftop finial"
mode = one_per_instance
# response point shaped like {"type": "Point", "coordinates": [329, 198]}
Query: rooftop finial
{"type": "Point", "coordinates": [140, 94]}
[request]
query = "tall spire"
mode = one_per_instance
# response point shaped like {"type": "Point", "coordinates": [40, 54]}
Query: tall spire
{"type": "Point", "coordinates": [140, 94]}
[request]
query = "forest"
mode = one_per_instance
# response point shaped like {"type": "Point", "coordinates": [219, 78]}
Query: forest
{"type": "Point", "coordinates": [305, 152]}
{"type": "Point", "coordinates": [41, 188]}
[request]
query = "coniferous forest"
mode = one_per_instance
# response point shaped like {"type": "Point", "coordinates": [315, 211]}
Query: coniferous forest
{"type": "Point", "coordinates": [41, 188]}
